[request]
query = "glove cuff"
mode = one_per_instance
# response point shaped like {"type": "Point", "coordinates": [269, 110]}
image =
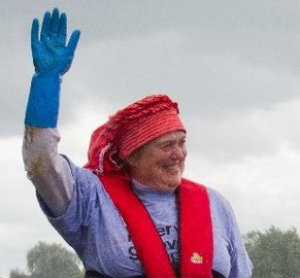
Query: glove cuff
{"type": "Point", "coordinates": [43, 103]}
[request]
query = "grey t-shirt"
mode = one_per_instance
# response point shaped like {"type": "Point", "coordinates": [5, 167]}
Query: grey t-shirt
{"type": "Point", "coordinates": [94, 228]}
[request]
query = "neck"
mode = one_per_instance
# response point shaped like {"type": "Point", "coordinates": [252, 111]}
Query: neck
{"type": "Point", "coordinates": [150, 187]}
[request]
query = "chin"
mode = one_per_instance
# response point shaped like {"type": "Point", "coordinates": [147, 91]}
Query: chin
{"type": "Point", "coordinates": [169, 185]}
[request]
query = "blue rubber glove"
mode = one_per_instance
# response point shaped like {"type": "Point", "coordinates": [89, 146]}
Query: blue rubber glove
{"type": "Point", "coordinates": [52, 57]}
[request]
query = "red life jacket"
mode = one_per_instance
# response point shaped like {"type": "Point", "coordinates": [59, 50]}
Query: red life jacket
{"type": "Point", "coordinates": [195, 229]}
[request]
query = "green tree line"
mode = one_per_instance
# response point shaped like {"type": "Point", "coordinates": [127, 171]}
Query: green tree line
{"type": "Point", "coordinates": [274, 253]}
{"type": "Point", "coordinates": [50, 261]}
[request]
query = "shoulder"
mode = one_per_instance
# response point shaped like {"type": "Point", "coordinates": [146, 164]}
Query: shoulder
{"type": "Point", "coordinates": [221, 210]}
{"type": "Point", "coordinates": [224, 220]}
{"type": "Point", "coordinates": [87, 185]}
{"type": "Point", "coordinates": [81, 174]}
{"type": "Point", "coordinates": [216, 199]}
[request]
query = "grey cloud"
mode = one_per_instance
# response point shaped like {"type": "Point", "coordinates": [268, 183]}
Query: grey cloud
{"type": "Point", "coordinates": [216, 58]}
{"type": "Point", "coordinates": [205, 85]}
{"type": "Point", "coordinates": [254, 133]}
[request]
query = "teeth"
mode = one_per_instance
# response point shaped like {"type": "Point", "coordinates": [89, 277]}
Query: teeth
{"type": "Point", "coordinates": [173, 167]}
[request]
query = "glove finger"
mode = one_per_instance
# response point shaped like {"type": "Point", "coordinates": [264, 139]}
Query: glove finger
{"type": "Point", "coordinates": [34, 33]}
{"type": "Point", "coordinates": [62, 36]}
{"type": "Point", "coordinates": [45, 26]}
{"type": "Point", "coordinates": [72, 44]}
{"type": "Point", "coordinates": [54, 25]}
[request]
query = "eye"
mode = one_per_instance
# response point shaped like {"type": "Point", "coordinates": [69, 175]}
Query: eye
{"type": "Point", "coordinates": [165, 146]}
{"type": "Point", "coordinates": [182, 142]}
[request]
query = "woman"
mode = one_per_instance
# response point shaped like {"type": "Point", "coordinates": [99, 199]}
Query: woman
{"type": "Point", "coordinates": [129, 212]}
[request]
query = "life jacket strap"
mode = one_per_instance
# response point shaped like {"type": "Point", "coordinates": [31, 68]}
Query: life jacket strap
{"type": "Point", "coordinates": [195, 229]}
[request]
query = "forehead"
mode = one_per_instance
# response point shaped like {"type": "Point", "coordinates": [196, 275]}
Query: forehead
{"type": "Point", "coordinates": [170, 136]}
{"type": "Point", "coordinates": [173, 136]}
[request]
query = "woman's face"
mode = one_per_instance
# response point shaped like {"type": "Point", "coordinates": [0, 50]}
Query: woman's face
{"type": "Point", "coordinates": [160, 163]}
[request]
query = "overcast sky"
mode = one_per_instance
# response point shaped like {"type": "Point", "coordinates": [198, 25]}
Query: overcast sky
{"type": "Point", "coordinates": [233, 66]}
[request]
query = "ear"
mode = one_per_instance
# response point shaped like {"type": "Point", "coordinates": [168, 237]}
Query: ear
{"type": "Point", "coordinates": [131, 161]}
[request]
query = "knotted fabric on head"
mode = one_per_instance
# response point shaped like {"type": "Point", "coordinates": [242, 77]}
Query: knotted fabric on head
{"type": "Point", "coordinates": [128, 130]}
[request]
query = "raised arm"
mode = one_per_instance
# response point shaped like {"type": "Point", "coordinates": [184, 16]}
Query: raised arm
{"type": "Point", "coordinates": [52, 57]}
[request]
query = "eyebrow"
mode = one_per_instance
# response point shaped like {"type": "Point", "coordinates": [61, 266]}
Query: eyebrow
{"type": "Point", "coordinates": [165, 141]}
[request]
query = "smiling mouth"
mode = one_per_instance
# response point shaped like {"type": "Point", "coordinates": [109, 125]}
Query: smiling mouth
{"type": "Point", "coordinates": [174, 168]}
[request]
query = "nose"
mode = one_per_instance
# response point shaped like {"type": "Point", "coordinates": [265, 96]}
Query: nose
{"type": "Point", "coordinates": [179, 152]}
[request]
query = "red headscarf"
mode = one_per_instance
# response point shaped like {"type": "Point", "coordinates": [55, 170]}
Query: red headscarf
{"type": "Point", "coordinates": [130, 129]}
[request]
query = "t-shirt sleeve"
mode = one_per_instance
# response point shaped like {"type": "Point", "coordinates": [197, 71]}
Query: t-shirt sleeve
{"type": "Point", "coordinates": [241, 266]}
{"type": "Point", "coordinates": [46, 168]}
{"type": "Point", "coordinates": [85, 200]}
{"type": "Point", "coordinates": [227, 233]}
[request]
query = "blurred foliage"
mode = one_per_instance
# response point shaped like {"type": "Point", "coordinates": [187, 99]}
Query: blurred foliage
{"type": "Point", "coordinates": [16, 273]}
{"type": "Point", "coordinates": [274, 253]}
{"type": "Point", "coordinates": [49, 261]}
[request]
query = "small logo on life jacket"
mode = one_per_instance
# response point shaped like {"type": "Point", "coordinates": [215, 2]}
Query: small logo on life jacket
{"type": "Point", "coordinates": [196, 258]}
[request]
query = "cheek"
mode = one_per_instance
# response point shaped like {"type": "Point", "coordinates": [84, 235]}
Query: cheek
{"type": "Point", "coordinates": [162, 161]}
{"type": "Point", "coordinates": [151, 165]}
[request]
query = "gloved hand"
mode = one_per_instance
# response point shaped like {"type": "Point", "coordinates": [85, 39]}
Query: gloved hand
{"type": "Point", "coordinates": [51, 58]}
